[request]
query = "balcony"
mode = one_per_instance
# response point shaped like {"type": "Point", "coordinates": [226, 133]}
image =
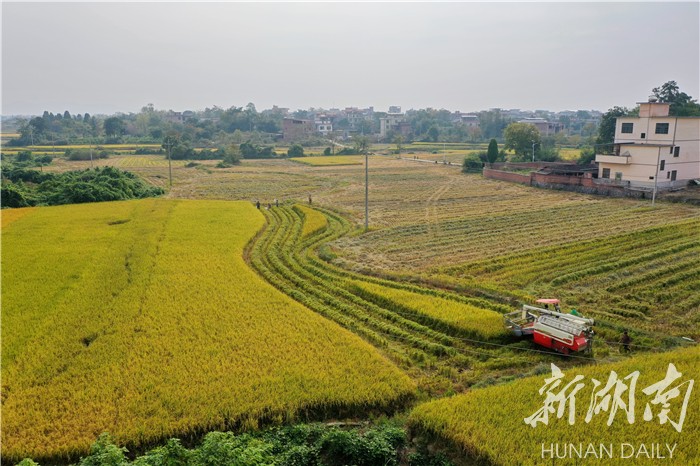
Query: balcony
{"type": "Point", "coordinates": [619, 159]}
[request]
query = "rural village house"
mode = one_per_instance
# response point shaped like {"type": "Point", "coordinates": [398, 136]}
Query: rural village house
{"type": "Point", "coordinates": [654, 148]}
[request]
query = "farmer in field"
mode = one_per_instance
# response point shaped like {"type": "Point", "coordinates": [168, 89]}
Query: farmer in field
{"type": "Point", "coordinates": [277, 202]}
{"type": "Point", "coordinates": [625, 340]}
{"type": "Point", "coordinates": [309, 199]}
{"type": "Point", "coordinates": [257, 204]}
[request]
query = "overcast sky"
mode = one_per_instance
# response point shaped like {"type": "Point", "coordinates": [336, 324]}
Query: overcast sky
{"type": "Point", "coordinates": [105, 58]}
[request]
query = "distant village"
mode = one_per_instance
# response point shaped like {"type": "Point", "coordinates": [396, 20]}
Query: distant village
{"type": "Point", "coordinates": [385, 126]}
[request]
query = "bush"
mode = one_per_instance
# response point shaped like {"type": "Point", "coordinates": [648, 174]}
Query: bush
{"type": "Point", "coordinates": [13, 196]}
{"type": "Point", "coordinates": [295, 151]}
{"type": "Point", "coordinates": [74, 187]}
{"type": "Point", "coordinates": [348, 151]}
{"type": "Point", "coordinates": [327, 151]}
{"type": "Point", "coordinates": [83, 154]}
{"type": "Point", "coordinates": [253, 151]}
{"type": "Point", "coordinates": [104, 453]}
{"type": "Point", "coordinates": [300, 445]}
{"type": "Point", "coordinates": [25, 156]}
{"type": "Point", "coordinates": [472, 164]}
{"type": "Point", "coordinates": [147, 151]}
{"type": "Point", "coordinates": [587, 155]}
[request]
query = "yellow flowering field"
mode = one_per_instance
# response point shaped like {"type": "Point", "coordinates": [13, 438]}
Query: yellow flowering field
{"type": "Point", "coordinates": [489, 423]}
{"type": "Point", "coordinates": [142, 319]}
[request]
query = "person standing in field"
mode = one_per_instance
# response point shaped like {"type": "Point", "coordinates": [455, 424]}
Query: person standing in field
{"type": "Point", "coordinates": [309, 199]}
{"type": "Point", "coordinates": [257, 204]}
{"type": "Point", "coordinates": [277, 202]}
{"type": "Point", "coordinates": [625, 340]}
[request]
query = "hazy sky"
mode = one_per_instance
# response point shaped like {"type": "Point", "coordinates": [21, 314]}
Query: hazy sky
{"type": "Point", "coordinates": [109, 57]}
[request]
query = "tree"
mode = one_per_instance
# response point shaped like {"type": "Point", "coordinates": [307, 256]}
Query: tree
{"type": "Point", "coordinates": [681, 103]}
{"type": "Point", "coordinates": [433, 133]}
{"type": "Point", "coordinates": [114, 126]}
{"type": "Point", "coordinates": [492, 123]}
{"type": "Point", "coordinates": [606, 130]}
{"type": "Point", "coordinates": [492, 152]}
{"type": "Point", "coordinates": [587, 156]}
{"type": "Point", "coordinates": [361, 144]}
{"type": "Point", "coordinates": [520, 137]}
{"type": "Point", "coordinates": [398, 140]}
{"type": "Point", "coordinates": [295, 150]}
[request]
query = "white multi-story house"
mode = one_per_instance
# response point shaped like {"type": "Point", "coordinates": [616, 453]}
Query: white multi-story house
{"type": "Point", "coordinates": [324, 124]}
{"type": "Point", "coordinates": [654, 149]}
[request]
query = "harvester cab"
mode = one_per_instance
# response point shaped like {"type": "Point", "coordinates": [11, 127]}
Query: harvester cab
{"type": "Point", "coordinates": [564, 333]}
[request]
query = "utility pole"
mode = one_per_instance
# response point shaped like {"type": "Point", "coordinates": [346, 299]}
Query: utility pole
{"type": "Point", "coordinates": [169, 145]}
{"type": "Point", "coordinates": [533, 151]}
{"type": "Point", "coordinates": [91, 153]}
{"type": "Point", "coordinates": [366, 190]}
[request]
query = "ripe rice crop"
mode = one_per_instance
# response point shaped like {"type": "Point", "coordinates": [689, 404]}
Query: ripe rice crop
{"type": "Point", "coordinates": [141, 318]}
{"type": "Point", "coordinates": [8, 216]}
{"type": "Point", "coordinates": [313, 220]}
{"type": "Point", "coordinates": [489, 423]}
{"type": "Point", "coordinates": [330, 160]}
{"type": "Point", "coordinates": [464, 318]}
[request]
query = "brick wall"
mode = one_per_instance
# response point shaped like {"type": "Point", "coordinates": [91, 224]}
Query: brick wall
{"type": "Point", "coordinates": [585, 185]}
{"type": "Point", "coordinates": [507, 176]}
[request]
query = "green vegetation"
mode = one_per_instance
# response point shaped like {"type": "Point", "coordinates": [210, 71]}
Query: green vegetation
{"type": "Point", "coordinates": [296, 150]}
{"type": "Point", "coordinates": [303, 444]}
{"type": "Point", "coordinates": [521, 137]}
{"type": "Point", "coordinates": [22, 187]}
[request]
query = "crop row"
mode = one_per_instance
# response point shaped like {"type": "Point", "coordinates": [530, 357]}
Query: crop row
{"type": "Point", "coordinates": [432, 345]}
{"type": "Point", "coordinates": [554, 261]}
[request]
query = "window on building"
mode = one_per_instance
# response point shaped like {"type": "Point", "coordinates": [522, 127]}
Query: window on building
{"type": "Point", "coordinates": [673, 175]}
{"type": "Point", "coordinates": [670, 151]}
{"type": "Point", "coordinates": [676, 151]}
{"type": "Point", "coordinates": [627, 128]}
{"type": "Point", "coordinates": [606, 173]}
{"type": "Point", "coordinates": [662, 165]}
{"type": "Point", "coordinates": [644, 135]}
{"type": "Point", "coordinates": [618, 176]}
{"type": "Point", "coordinates": [668, 175]}
{"type": "Point", "coordinates": [661, 128]}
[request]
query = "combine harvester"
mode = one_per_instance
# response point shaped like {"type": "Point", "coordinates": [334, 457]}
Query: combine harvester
{"type": "Point", "coordinates": [564, 333]}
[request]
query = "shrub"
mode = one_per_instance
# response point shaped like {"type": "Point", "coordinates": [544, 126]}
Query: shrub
{"type": "Point", "coordinates": [472, 164]}
{"type": "Point", "coordinates": [295, 151]}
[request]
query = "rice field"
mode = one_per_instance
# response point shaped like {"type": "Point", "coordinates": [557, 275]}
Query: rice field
{"type": "Point", "coordinates": [417, 299]}
{"type": "Point", "coordinates": [488, 425]}
{"type": "Point", "coordinates": [141, 318]}
{"type": "Point", "coordinates": [330, 160]}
